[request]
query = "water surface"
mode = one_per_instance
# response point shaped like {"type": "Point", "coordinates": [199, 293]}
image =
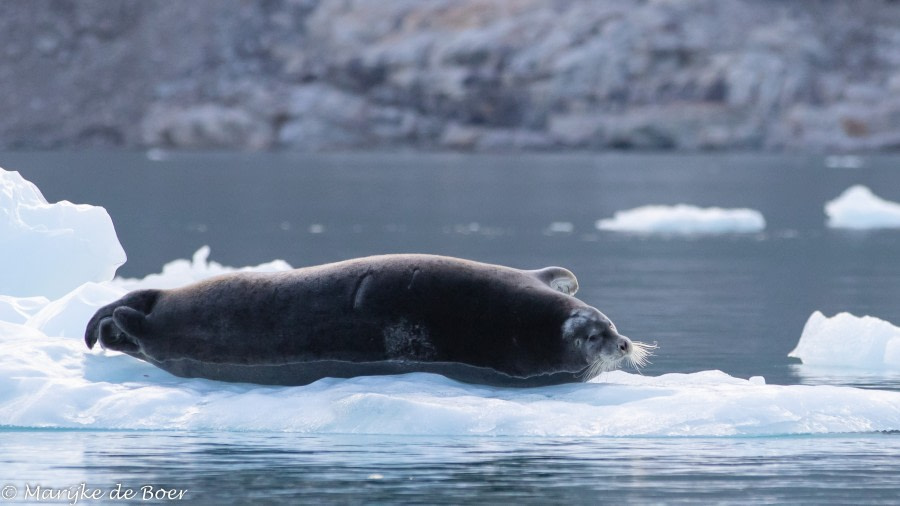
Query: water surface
{"type": "Point", "coordinates": [735, 303]}
{"type": "Point", "coordinates": [235, 468]}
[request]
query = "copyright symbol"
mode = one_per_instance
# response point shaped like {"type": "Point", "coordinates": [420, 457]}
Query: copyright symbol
{"type": "Point", "coordinates": [9, 492]}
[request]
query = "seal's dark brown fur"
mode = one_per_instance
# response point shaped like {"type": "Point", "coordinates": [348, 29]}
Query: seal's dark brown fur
{"type": "Point", "coordinates": [377, 315]}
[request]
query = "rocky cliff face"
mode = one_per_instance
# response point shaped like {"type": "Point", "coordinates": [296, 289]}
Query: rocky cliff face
{"type": "Point", "coordinates": [451, 74]}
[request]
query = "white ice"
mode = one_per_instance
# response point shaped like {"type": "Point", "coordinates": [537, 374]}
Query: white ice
{"type": "Point", "coordinates": [49, 379]}
{"type": "Point", "coordinates": [559, 227]}
{"type": "Point", "coordinates": [50, 249]}
{"type": "Point", "coordinates": [850, 342]}
{"type": "Point", "coordinates": [182, 272]}
{"type": "Point", "coordinates": [844, 162]}
{"type": "Point", "coordinates": [859, 208]}
{"type": "Point", "coordinates": [684, 219]}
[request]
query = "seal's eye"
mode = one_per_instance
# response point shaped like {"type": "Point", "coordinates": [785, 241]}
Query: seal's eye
{"type": "Point", "coordinates": [593, 337]}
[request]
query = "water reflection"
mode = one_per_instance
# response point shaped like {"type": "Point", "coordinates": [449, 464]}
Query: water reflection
{"type": "Point", "coordinates": [231, 468]}
{"type": "Point", "coordinates": [883, 380]}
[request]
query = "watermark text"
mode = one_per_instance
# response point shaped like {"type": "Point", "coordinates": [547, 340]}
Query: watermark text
{"type": "Point", "coordinates": [84, 493]}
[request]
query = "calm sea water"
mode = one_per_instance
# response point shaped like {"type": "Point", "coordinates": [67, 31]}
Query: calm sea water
{"type": "Point", "coordinates": [243, 468]}
{"type": "Point", "coordinates": [734, 303]}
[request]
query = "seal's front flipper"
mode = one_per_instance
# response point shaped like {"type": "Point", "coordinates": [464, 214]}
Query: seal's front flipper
{"type": "Point", "coordinates": [557, 278]}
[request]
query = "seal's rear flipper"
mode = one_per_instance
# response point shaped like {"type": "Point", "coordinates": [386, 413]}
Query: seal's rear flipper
{"type": "Point", "coordinates": [130, 312]}
{"type": "Point", "coordinates": [131, 321]}
{"type": "Point", "coordinates": [557, 278]}
{"type": "Point", "coordinates": [111, 337]}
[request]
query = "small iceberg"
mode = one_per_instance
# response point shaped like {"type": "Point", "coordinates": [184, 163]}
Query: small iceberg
{"type": "Point", "coordinates": [845, 341]}
{"type": "Point", "coordinates": [858, 208]}
{"type": "Point", "coordinates": [684, 219]}
{"type": "Point", "coordinates": [49, 249]}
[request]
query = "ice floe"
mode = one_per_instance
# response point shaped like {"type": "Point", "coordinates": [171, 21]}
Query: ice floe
{"type": "Point", "coordinates": [858, 208]}
{"type": "Point", "coordinates": [845, 341]}
{"type": "Point", "coordinates": [49, 379]}
{"type": "Point", "coordinates": [684, 219]}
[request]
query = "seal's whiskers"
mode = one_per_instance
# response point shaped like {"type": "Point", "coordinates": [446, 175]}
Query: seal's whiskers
{"type": "Point", "coordinates": [639, 357]}
{"type": "Point", "coordinates": [601, 365]}
{"type": "Point", "coordinates": [640, 353]}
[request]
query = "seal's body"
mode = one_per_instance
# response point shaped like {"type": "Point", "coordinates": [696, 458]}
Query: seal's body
{"type": "Point", "coordinates": [377, 315]}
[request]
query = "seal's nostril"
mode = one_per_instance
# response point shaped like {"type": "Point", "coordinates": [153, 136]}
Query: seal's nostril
{"type": "Point", "coordinates": [623, 346]}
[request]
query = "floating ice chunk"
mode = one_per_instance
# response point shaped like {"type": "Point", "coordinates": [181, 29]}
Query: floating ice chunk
{"type": "Point", "coordinates": [559, 227]}
{"type": "Point", "coordinates": [684, 219]}
{"type": "Point", "coordinates": [183, 272]}
{"type": "Point", "coordinates": [471, 228]}
{"type": "Point", "coordinates": [475, 228]}
{"type": "Point", "coordinates": [859, 208]}
{"type": "Point", "coordinates": [844, 162]}
{"type": "Point", "coordinates": [157, 155]}
{"type": "Point", "coordinates": [50, 249]}
{"type": "Point", "coordinates": [846, 341]}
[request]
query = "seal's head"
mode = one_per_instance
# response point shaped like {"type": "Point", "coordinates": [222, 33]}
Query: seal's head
{"type": "Point", "coordinates": [595, 337]}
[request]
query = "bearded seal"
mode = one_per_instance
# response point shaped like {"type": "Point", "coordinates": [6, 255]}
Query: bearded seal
{"type": "Point", "coordinates": [389, 314]}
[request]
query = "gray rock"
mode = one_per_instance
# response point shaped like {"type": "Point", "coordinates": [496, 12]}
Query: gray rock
{"type": "Point", "coordinates": [577, 130]}
{"type": "Point", "coordinates": [315, 134]}
{"type": "Point", "coordinates": [457, 136]}
{"type": "Point", "coordinates": [206, 126]}
{"type": "Point", "coordinates": [504, 139]}
{"type": "Point", "coordinates": [322, 117]}
{"type": "Point", "coordinates": [451, 74]}
{"type": "Point", "coordinates": [846, 126]}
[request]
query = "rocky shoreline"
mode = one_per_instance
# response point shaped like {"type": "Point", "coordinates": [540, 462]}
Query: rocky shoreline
{"type": "Point", "coordinates": [475, 75]}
